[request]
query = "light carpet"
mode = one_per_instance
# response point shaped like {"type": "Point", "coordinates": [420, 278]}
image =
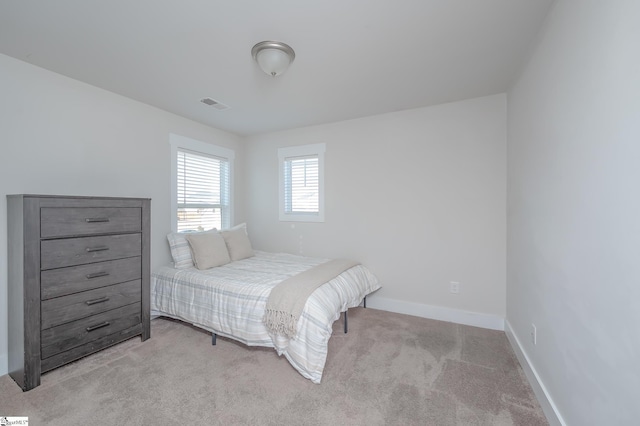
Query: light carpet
{"type": "Point", "coordinates": [390, 369]}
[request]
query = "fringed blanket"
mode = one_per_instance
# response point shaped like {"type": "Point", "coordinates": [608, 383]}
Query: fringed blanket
{"type": "Point", "coordinates": [287, 299]}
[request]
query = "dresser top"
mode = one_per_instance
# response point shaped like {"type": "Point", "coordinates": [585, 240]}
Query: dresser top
{"type": "Point", "coordinates": [75, 197]}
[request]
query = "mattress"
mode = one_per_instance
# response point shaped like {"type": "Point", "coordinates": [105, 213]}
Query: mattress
{"type": "Point", "coordinates": [230, 301]}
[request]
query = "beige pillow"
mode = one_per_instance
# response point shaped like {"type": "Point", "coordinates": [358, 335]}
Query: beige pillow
{"type": "Point", "coordinates": [208, 250]}
{"type": "Point", "coordinates": [238, 242]}
{"type": "Point", "coordinates": [180, 250]}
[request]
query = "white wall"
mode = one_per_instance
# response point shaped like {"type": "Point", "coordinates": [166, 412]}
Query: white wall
{"type": "Point", "coordinates": [418, 196]}
{"type": "Point", "coordinates": [574, 211]}
{"type": "Point", "coordinates": [60, 136]}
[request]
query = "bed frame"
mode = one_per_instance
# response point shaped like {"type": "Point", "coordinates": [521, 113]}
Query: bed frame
{"type": "Point", "coordinates": [214, 336]}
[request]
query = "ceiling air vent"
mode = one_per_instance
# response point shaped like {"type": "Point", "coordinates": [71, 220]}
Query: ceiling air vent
{"type": "Point", "coordinates": [212, 102]}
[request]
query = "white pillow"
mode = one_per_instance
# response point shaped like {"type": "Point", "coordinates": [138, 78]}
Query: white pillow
{"type": "Point", "coordinates": [208, 250]}
{"type": "Point", "coordinates": [180, 251]}
{"type": "Point", "coordinates": [238, 243]}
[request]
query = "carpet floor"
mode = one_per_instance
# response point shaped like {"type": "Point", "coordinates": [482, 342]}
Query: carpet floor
{"type": "Point", "coordinates": [390, 369]}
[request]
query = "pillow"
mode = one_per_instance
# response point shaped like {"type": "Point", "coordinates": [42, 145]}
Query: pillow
{"type": "Point", "coordinates": [238, 242]}
{"type": "Point", "coordinates": [180, 250]}
{"type": "Point", "coordinates": [208, 249]}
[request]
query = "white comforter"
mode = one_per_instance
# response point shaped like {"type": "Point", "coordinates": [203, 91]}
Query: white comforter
{"type": "Point", "coordinates": [230, 301]}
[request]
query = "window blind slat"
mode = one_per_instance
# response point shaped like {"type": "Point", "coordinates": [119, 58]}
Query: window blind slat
{"type": "Point", "coordinates": [301, 184]}
{"type": "Point", "coordinates": [203, 192]}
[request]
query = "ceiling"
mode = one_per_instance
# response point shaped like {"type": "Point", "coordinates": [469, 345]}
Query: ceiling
{"type": "Point", "coordinates": [354, 58]}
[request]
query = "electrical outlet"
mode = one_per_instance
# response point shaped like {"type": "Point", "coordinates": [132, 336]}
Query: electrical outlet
{"type": "Point", "coordinates": [454, 287]}
{"type": "Point", "coordinates": [534, 334]}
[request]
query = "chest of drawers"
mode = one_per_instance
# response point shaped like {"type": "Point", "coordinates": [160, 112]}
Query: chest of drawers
{"type": "Point", "coordinates": [78, 278]}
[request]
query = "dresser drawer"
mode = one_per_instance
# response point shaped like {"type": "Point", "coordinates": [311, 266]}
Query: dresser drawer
{"type": "Point", "coordinates": [78, 251]}
{"type": "Point", "coordinates": [89, 348]}
{"type": "Point", "coordinates": [63, 281]}
{"type": "Point", "coordinates": [65, 309]}
{"type": "Point", "coordinates": [67, 336]}
{"type": "Point", "coordinates": [68, 221]}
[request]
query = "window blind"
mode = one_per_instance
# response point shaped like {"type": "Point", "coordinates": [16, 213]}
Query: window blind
{"type": "Point", "coordinates": [202, 191]}
{"type": "Point", "coordinates": [301, 185]}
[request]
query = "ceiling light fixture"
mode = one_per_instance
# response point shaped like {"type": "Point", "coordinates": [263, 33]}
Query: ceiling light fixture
{"type": "Point", "coordinates": [273, 57]}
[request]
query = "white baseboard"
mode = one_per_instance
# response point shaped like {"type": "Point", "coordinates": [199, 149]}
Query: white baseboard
{"type": "Point", "coordinates": [493, 322]}
{"type": "Point", "coordinates": [548, 406]}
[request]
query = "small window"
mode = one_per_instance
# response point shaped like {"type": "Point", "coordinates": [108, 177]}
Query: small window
{"type": "Point", "coordinates": [302, 183]}
{"type": "Point", "coordinates": [201, 194]}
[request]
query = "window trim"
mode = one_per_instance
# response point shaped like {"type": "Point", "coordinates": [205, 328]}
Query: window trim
{"type": "Point", "coordinates": [301, 151]}
{"type": "Point", "coordinates": [182, 142]}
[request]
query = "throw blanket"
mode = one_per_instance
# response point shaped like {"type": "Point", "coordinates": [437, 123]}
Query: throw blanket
{"type": "Point", "coordinates": [287, 299]}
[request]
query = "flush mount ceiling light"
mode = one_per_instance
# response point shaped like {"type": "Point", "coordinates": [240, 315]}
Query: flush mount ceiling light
{"type": "Point", "coordinates": [273, 57]}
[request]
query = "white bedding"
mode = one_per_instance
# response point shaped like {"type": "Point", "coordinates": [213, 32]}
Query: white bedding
{"type": "Point", "coordinates": [230, 301]}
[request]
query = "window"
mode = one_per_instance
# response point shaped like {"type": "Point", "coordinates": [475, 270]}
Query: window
{"type": "Point", "coordinates": [201, 190]}
{"type": "Point", "coordinates": [302, 183]}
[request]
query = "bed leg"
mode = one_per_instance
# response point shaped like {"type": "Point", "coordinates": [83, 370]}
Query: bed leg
{"type": "Point", "coordinates": [365, 301]}
{"type": "Point", "coordinates": [213, 339]}
{"type": "Point", "coordinates": [346, 321]}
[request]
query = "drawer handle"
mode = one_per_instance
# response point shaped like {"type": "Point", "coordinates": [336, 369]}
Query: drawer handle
{"type": "Point", "coordinates": [94, 301]}
{"type": "Point", "coordinates": [97, 275]}
{"type": "Point", "coordinates": [92, 249]}
{"type": "Point", "coordinates": [97, 326]}
{"type": "Point", "coordinates": [96, 219]}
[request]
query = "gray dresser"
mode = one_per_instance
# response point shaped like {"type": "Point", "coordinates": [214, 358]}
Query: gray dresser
{"type": "Point", "coordinates": [78, 278]}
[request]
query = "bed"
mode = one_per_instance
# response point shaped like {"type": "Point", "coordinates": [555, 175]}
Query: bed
{"type": "Point", "coordinates": [229, 300]}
